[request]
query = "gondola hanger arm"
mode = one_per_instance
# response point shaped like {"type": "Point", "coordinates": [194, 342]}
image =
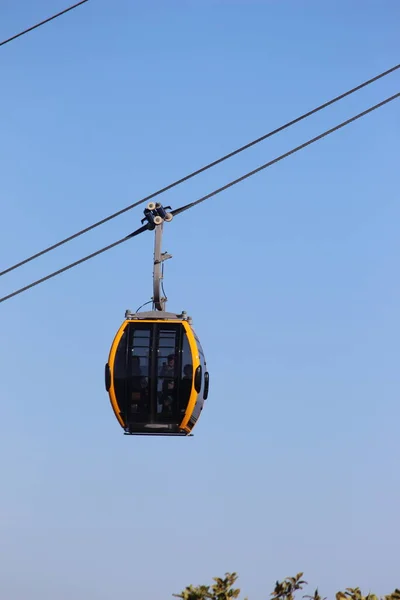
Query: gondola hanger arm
{"type": "Point", "coordinates": [155, 214]}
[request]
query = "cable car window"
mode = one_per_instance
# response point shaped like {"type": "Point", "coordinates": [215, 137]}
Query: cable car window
{"type": "Point", "coordinates": [167, 353]}
{"type": "Point", "coordinates": [167, 368]}
{"type": "Point", "coordinates": [140, 352]}
{"type": "Point", "coordinates": [139, 371]}
{"type": "Point", "coordinates": [167, 339]}
{"type": "Point", "coordinates": [186, 356]}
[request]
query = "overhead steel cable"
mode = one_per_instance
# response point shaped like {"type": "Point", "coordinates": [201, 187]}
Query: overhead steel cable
{"type": "Point", "coordinates": [282, 156]}
{"type": "Point", "coordinates": [77, 262]}
{"type": "Point", "coordinates": [17, 35]}
{"type": "Point", "coordinates": [201, 170]}
{"type": "Point", "coordinates": [214, 193]}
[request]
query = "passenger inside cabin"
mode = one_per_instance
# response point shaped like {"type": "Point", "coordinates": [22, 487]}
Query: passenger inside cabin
{"type": "Point", "coordinates": [168, 396]}
{"type": "Point", "coordinates": [168, 368]}
{"type": "Point", "coordinates": [186, 387]}
{"type": "Point", "coordinates": [188, 372]}
{"type": "Point", "coordinates": [139, 386]}
{"type": "Point", "coordinates": [136, 367]}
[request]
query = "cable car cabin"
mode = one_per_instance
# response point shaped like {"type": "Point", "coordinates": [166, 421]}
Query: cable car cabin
{"type": "Point", "coordinates": [156, 374]}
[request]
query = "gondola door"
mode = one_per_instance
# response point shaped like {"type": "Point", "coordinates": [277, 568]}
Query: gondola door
{"type": "Point", "coordinates": [139, 380]}
{"type": "Point", "coordinates": [169, 341]}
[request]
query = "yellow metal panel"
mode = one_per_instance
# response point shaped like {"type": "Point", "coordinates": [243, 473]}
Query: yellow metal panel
{"type": "Point", "coordinates": [196, 362]}
{"type": "Point", "coordinates": [111, 360]}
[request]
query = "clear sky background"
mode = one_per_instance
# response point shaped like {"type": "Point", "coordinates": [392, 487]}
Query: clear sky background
{"type": "Point", "coordinates": [291, 278]}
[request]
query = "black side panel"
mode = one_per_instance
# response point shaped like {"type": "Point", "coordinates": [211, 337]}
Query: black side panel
{"type": "Point", "coordinates": [206, 385]}
{"type": "Point", "coordinates": [107, 376]}
{"type": "Point", "coordinates": [197, 379]}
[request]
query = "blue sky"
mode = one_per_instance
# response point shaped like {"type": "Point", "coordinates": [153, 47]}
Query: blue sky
{"type": "Point", "coordinates": [291, 279]}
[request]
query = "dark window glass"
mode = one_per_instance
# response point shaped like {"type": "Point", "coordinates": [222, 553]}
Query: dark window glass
{"type": "Point", "coordinates": [140, 352]}
{"type": "Point", "coordinates": [186, 374]}
{"type": "Point", "coordinates": [139, 372]}
{"type": "Point", "coordinates": [167, 366]}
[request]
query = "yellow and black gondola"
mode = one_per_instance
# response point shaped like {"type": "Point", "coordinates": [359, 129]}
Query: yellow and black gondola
{"type": "Point", "coordinates": [156, 375]}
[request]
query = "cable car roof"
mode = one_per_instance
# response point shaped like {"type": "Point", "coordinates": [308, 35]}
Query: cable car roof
{"type": "Point", "coordinates": [158, 315]}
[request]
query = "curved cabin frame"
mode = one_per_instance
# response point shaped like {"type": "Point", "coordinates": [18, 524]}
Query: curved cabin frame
{"type": "Point", "coordinates": [156, 375]}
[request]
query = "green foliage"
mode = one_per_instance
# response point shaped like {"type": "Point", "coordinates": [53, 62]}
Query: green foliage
{"type": "Point", "coordinates": [355, 594]}
{"type": "Point", "coordinates": [285, 590]}
{"type": "Point", "coordinates": [223, 589]}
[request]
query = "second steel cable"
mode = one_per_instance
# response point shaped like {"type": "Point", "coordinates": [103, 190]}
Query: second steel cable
{"type": "Point", "coordinates": [202, 169]}
{"type": "Point", "coordinates": [210, 195]}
